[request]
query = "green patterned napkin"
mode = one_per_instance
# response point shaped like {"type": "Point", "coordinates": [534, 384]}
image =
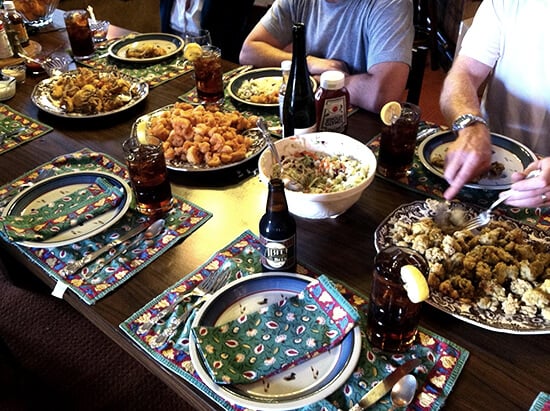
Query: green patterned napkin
{"type": "Point", "coordinates": [262, 343]}
{"type": "Point", "coordinates": [63, 213]}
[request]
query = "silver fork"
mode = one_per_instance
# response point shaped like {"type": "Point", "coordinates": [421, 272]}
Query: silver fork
{"type": "Point", "coordinates": [204, 290]}
{"type": "Point", "coordinates": [484, 217]}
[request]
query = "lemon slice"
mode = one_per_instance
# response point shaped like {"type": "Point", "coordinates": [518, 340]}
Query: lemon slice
{"type": "Point", "coordinates": [415, 283]}
{"type": "Point", "coordinates": [192, 51]}
{"type": "Point", "coordinates": [390, 112]}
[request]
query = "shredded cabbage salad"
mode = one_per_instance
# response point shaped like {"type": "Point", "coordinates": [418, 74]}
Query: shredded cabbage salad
{"type": "Point", "coordinates": [319, 172]}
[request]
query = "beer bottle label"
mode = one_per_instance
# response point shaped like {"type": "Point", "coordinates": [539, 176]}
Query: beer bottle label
{"type": "Point", "coordinates": [278, 254]}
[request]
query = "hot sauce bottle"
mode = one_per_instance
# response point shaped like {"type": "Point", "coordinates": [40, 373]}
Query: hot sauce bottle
{"type": "Point", "coordinates": [332, 102]}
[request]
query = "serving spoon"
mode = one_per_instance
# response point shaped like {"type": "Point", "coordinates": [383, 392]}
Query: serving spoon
{"type": "Point", "coordinates": [289, 184]}
{"type": "Point", "coordinates": [403, 391]}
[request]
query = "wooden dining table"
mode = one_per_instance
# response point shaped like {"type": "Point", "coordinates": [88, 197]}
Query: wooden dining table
{"type": "Point", "coordinates": [504, 371]}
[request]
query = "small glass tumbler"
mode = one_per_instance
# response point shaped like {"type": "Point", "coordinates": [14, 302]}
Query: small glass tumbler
{"type": "Point", "coordinates": [202, 38]}
{"type": "Point", "coordinates": [398, 142]}
{"type": "Point", "coordinates": [209, 75]}
{"type": "Point", "coordinates": [80, 34]}
{"type": "Point", "coordinates": [393, 318]}
{"type": "Point", "coordinates": [99, 28]}
{"type": "Point", "coordinates": [148, 174]}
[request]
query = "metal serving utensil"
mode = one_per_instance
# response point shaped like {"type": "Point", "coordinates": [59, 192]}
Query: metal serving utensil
{"type": "Point", "coordinates": [204, 291]}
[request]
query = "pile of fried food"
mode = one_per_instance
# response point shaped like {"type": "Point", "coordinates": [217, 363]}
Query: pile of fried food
{"type": "Point", "coordinates": [200, 136]}
{"type": "Point", "coordinates": [87, 91]}
{"type": "Point", "coordinates": [145, 51]}
{"type": "Point", "coordinates": [264, 90]}
{"type": "Point", "coordinates": [498, 268]}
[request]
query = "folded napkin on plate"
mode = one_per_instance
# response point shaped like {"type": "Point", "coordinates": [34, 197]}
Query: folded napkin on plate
{"type": "Point", "coordinates": [284, 334]}
{"type": "Point", "coordinates": [64, 213]}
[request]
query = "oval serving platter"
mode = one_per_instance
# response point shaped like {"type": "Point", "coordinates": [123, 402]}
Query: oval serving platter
{"type": "Point", "coordinates": [513, 155]}
{"type": "Point", "coordinates": [494, 320]}
{"type": "Point", "coordinates": [41, 97]}
{"type": "Point", "coordinates": [258, 145]}
{"type": "Point", "coordinates": [171, 43]}
{"type": "Point", "coordinates": [333, 367]}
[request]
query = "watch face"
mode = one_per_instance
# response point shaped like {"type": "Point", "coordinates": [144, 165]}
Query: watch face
{"type": "Point", "coordinates": [466, 120]}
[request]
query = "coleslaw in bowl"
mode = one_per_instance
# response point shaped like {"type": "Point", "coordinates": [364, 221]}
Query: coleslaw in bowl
{"type": "Point", "coordinates": [332, 170]}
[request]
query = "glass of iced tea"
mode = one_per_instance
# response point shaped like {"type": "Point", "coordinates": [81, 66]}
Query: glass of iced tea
{"type": "Point", "coordinates": [148, 174]}
{"type": "Point", "coordinates": [398, 142]}
{"type": "Point", "coordinates": [392, 319]}
{"type": "Point", "coordinates": [209, 75]}
{"type": "Point", "coordinates": [80, 34]}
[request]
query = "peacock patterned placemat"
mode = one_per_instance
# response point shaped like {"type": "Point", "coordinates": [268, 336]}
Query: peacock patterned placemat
{"type": "Point", "coordinates": [442, 360]}
{"type": "Point", "coordinates": [26, 128]}
{"type": "Point", "coordinates": [184, 218]}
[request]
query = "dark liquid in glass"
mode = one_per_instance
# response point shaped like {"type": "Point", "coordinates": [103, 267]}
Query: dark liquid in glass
{"type": "Point", "coordinates": [209, 77]}
{"type": "Point", "coordinates": [392, 318]}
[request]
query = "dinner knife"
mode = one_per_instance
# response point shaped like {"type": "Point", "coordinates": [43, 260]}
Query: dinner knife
{"type": "Point", "coordinates": [74, 266]}
{"type": "Point", "coordinates": [384, 386]}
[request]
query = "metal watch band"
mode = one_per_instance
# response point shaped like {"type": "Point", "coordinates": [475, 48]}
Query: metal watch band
{"type": "Point", "coordinates": [466, 120]}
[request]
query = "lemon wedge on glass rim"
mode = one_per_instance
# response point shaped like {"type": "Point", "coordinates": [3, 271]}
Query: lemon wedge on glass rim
{"type": "Point", "coordinates": [415, 283]}
{"type": "Point", "coordinates": [390, 112]}
{"type": "Point", "coordinates": [192, 51]}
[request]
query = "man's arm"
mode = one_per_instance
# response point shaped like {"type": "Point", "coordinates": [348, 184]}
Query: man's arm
{"type": "Point", "coordinates": [470, 154]}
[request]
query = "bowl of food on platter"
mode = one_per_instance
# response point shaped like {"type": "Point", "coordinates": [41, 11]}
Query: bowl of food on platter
{"type": "Point", "coordinates": [325, 173]}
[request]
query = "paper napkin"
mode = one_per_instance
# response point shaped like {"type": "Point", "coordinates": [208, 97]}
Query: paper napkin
{"type": "Point", "coordinates": [63, 213]}
{"type": "Point", "coordinates": [284, 334]}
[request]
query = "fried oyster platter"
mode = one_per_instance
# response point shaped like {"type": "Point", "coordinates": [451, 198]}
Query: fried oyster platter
{"type": "Point", "coordinates": [86, 92]}
{"type": "Point", "coordinates": [196, 138]}
{"type": "Point", "coordinates": [496, 277]}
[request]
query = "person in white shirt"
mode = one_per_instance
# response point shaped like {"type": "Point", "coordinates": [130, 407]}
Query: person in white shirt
{"type": "Point", "coordinates": [225, 20]}
{"type": "Point", "coordinates": [505, 50]}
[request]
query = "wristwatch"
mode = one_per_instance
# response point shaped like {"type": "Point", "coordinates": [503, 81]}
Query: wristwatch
{"type": "Point", "coordinates": [466, 120]}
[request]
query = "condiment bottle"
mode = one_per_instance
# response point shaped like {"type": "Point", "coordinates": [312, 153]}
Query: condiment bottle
{"type": "Point", "coordinates": [5, 47]}
{"type": "Point", "coordinates": [331, 102]}
{"type": "Point", "coordinates": [16, 23]}
{"type": "Point", "coordinates": [277, 231]}
{"type": "Point", "coordinates": [285, 72]}
{"type": "Point", "coordinates": [299, 103]}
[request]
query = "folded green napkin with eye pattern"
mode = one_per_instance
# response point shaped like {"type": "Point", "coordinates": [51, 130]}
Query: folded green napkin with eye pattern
{"type": "Point", "coordinates": [63, 213]}
{"type": "Point", "coordinates": [284, 334]}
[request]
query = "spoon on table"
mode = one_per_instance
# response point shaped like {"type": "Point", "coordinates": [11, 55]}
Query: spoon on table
{"type": "Point", "coordinates": [151, 232]}
{"type": "Point", "coordinates": [403, 391]}
{"type": "Point", "coordinates": [289, 184]}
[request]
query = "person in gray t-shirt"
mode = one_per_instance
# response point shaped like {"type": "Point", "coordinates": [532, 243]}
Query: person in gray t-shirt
{"type": "Point", "coordinates": [370, 40]}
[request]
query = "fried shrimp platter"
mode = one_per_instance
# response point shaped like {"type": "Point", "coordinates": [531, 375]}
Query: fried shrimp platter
{"type": "Point", "coordinates": [202, 137]}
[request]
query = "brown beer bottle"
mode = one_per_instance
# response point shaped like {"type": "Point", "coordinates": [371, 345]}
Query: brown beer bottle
{"type": "Point", "coordinates": [277, 231]}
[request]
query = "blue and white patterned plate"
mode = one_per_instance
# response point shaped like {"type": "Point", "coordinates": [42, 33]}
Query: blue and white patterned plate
{"type": "Point", "coordinates": [494, 320]}
{"type": "Point", "coordinates": [296, 387]}
{"type": "Point", "coordinates": [513, 155]}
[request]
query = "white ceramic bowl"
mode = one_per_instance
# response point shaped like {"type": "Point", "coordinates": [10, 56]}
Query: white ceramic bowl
{"type": "Point", "coordinates": [325, 205]}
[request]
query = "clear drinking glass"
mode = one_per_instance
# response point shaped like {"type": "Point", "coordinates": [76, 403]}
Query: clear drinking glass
{"type": "Point", "coordinates": [398, 142]}
{"type": "Point", "coordinates": [392, 319]}
{"type": "Point", "coordinates": [209, 75]}
{"type": "Point", "coordinates": [202, 37]}
{"type": "Point", "coordinates": [148, 174]}
{"type": "Point", "coordinates": [80, 34]}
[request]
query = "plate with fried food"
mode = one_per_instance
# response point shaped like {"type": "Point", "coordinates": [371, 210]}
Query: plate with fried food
{"type": "Point", "coordinates": [202, 139]}
{"type": "Point", "coordinates": [146, 48]}
{"type": "Point", "coordinates": [508, 156]}
{"type": "Point", "coordinates": [496, 277]}
{"type": "Point", "coordinates": [88, 93]}
{"type": "Point", "coordinates": [258, 87]}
